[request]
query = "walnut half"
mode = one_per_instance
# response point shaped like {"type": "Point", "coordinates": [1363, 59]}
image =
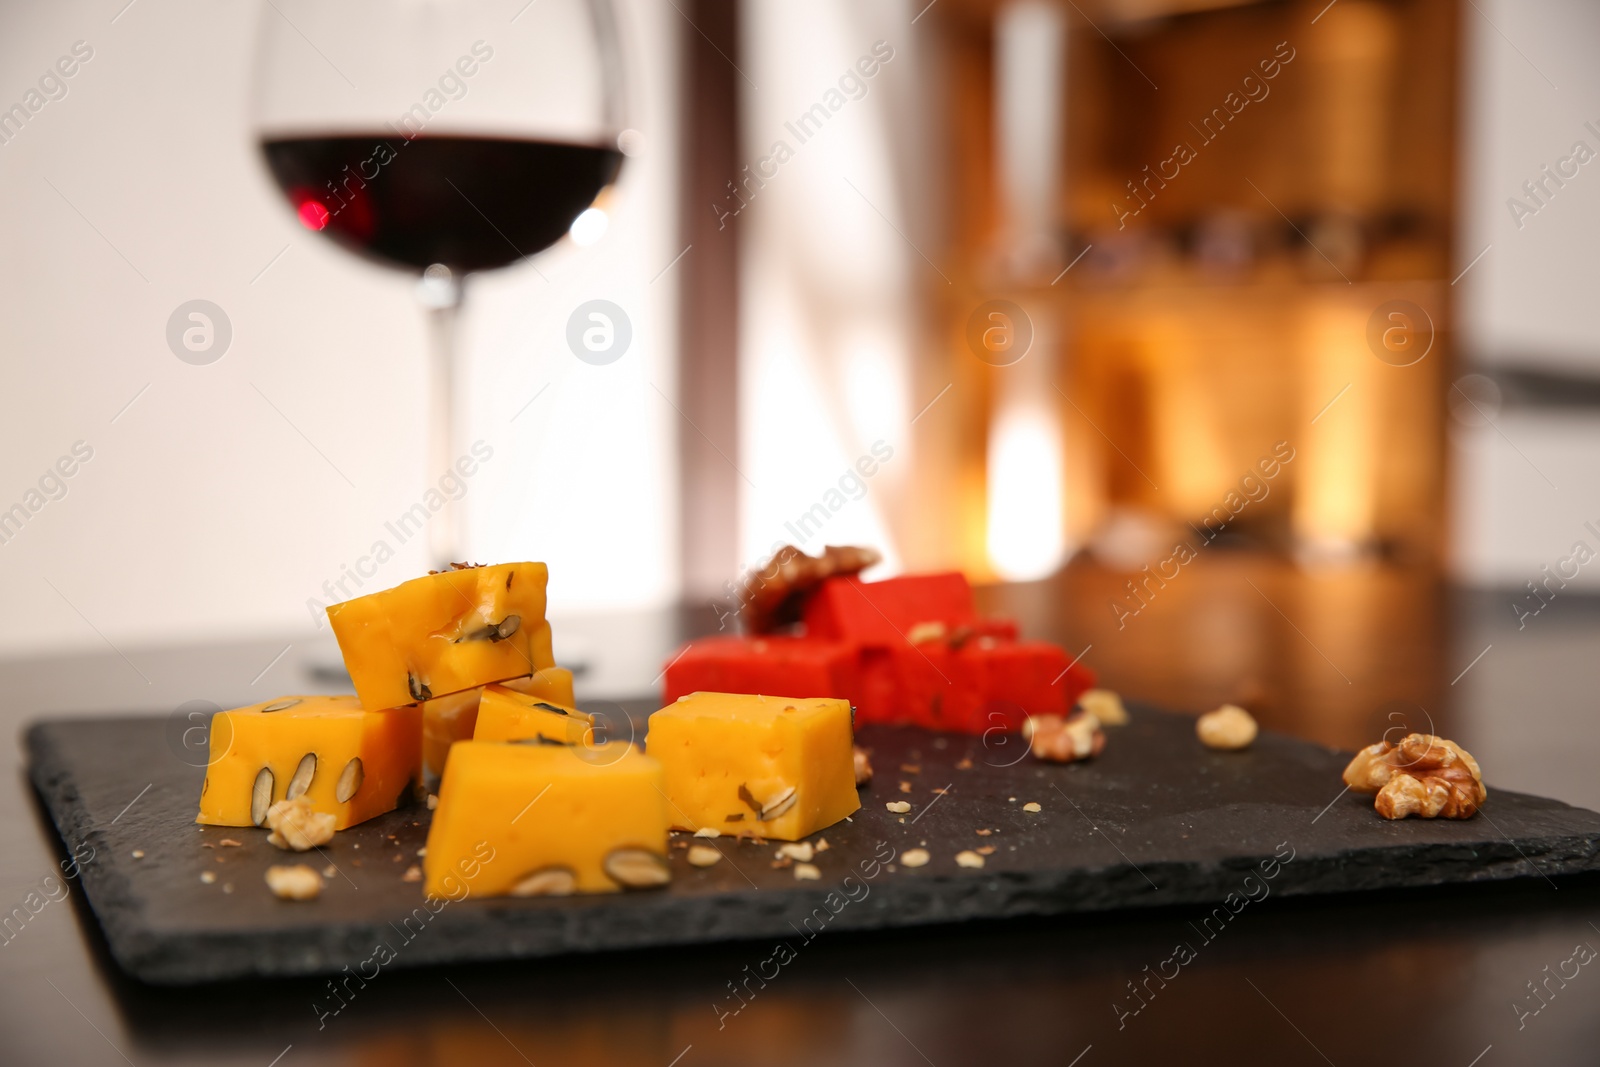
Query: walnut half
{"type": "Point", "coordinates": [1423, 775]}
{"type": "Point", "coordinates": [773, 596]}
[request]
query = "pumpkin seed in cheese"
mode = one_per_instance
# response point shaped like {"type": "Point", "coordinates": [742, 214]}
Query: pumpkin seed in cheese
{"type": "Point", "coordinates": [350, 763]}
{"type": "Point", "coordinates": [450, 631]}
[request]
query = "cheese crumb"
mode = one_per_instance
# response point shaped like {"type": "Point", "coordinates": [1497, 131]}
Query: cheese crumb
{"type": "Point", "coordinates": [704, 856]}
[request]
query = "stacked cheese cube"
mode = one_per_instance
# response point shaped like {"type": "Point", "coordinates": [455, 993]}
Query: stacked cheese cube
{"type": "Point", "coordinates": [455, 679]}
{"type": "Point", "coordinates": [436, 662]}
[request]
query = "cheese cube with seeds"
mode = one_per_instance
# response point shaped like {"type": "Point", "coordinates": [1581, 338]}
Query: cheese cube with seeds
{"type": "Point", "coordinates": [505, 715]}
{"type": "Point", "coordinates": [547, 820]}
{"type": "Point", "coordinates": [348, 762]}
{"type": "Point", "coordinates": [450, 631]}
{"type": "Point", "coordinates": [777, 767]}
{"type": "Point", "coordinates": [446, 720]}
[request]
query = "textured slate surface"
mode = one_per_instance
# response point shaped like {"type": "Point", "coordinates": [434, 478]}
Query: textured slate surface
{"type": "Point", "coordinates": [1156, 820]}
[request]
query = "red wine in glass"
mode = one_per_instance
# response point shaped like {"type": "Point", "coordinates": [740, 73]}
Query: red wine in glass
{"type": "Point", "coordinates": [470, 203]}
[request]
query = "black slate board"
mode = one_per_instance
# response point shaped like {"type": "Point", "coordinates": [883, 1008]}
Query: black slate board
{"type": "Point", "coordinates": [1156, 820]}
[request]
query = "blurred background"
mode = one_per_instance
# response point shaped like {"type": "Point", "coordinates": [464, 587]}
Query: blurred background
{"type": "Point", "coordinates": [1246, 348]}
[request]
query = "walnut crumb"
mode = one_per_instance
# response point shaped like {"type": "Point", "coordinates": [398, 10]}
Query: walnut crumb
{"type": "Point", "coordinates": [969, 859]}
{"type": "Point", "coordinates": [798, 850]}
{"type": "Point", "coordinates": [294, 883]}
{"type": "Point", "coordinates": [296, 827]}
{"type": "Point", "coordinates": [413, 874]}
{"type": "Point", "coordinates": [228, 842]}
{"type": "Point", "coordinates": [1059, 740]}
{"type": "Point", "coordinates": [806, 872]}
{"type": "Point", "coordinates": [915, 857]}
{"type": "Point", "coordinates": [1031, 806]}
{"type": "Point", "coordinates": [985, 832]}
{"type": "Point", "coordinates": [208, 877]}
{"type": "Point", "coordinates": [433, 801]}
{"type": "Point", "coordinates": [1105, 705]}
{"type": "Point", "coordinates": [708, 831]}
{"type": "Point", "coordinates": [138, 853]}
{"type": "Point", "coordinates": [985, 850]}
{"type": "Point", "coordinates": [905, 787]}
{"type": "Point", "coordinates": [822, 844]}
{"type": "Point", "coordinates": [964, 764]}
{"type": "Point", "coordinates": [899, 807]}
{"type": "Point", "coordinates": [1228, 729]}
{"type": "Point", "coordinates": [863, 765]}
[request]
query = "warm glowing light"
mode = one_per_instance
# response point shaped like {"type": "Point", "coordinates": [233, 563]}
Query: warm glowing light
{"type": "Point", "coordinates": [1026, 540]}
{"type": "Point", "coordinates": [589, 227]}
{"type": "Point", "coordinates": [313, 216]}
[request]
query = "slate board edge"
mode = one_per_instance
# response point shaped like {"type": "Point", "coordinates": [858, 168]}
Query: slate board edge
{"type": "Point", "coordinates": [187, 958]}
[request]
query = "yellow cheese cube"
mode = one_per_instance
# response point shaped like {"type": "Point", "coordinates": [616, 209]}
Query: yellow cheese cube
{"type": "Point", "coordinates": [450, 631]}
{"type": "Point", "coordinates": [446, 720]}
{"type": "Point", "coordinates": [775, 767]}
{"type": "Point", "coordinates": [552, 683]}
{"type": "Point", "coordinates": [535, 820]}
{"type": "Point", "coordinates": [348, 762]}
{"type": "Point", "coordinates": [504, 715]}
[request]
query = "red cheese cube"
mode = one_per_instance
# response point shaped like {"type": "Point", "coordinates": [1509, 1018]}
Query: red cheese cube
{"type": "Point", "coordinates": [773, 666]}
{"type": "Point", "coordinates": [884, 613]}
{"type": "Point", "coordinates": [980, 686]}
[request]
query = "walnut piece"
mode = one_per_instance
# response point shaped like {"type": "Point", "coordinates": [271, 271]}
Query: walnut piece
{"type": "Point", "coordinates": [294, 883]}
{"type": "Point", "coordinates": [863, 765]}
{"type": "Point", "coordinates": [1063, 740]}
{"type": "Point", "coordinates": [1105, 705]}
{"type": "Point", "coordinates": [1423, 775]}
{"type": "Point", "coordinates": [1228, 729]}
{"type": "Point", "coordinates": [773, 596]}
{"type": "Point", "coordinates": [296, 827]}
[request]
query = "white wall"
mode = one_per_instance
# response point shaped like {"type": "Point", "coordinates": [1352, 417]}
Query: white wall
{"type": "Point", "coordinates": [827, 273]}
{"type": "Point", "coordinates": [1526, 480]}
{"type": "Point", "coordinates": [220, 501]}
{"type": "Point", "coordinates": [1530, 84]}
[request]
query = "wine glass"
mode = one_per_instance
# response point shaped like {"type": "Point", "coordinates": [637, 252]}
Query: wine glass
{"type": "Point", "coordinates": [441, 137]}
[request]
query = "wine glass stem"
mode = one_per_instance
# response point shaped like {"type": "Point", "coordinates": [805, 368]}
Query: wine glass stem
{"type": "Point", "coordinates": [442, 304]}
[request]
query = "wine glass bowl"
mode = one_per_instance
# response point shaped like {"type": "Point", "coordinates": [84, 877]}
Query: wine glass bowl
{"type": "Point", "coordinates": [440, 137]}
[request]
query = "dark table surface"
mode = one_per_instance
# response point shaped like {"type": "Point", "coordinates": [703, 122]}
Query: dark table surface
{"type": "Point", "coordinates": [1442, 976]}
